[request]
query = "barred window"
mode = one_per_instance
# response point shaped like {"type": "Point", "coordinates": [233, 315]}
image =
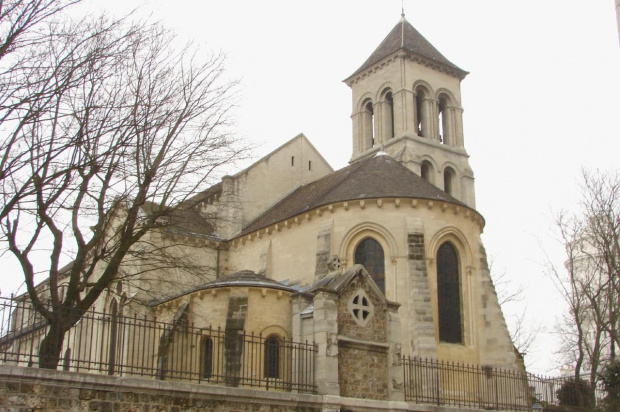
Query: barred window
{"type": "Point", "coordinates": [369, 253]}
{"type": "Point", "coordinates": [207, 358]}
{"type": "Point", "coordinates": [272, 357]}
{"type": "Point", "coordinates": [449, 294]}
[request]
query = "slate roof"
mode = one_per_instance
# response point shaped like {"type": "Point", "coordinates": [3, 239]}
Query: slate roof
{"type": "Point", "coordinates": [243, 278]}
{"type": "Point", "coordinates": [377, 177]}
{"type": "Point", "coordinates": [405, 37]}
{"type": "Point", "coordinates": [183, 219]}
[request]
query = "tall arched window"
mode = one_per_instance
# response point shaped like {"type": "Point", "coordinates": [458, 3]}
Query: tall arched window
{"type": "Point", "coordinates": [207, 357]}
{"type": "Point", "coordinates": [369, 253]}
{"type": "Point", "coordinates": [272, 357]}
{"type": "Point", "coordinates": [113, 337]}
{"type": "Point", "coordinates": [389, 111]}
{"type": "Point", "coordinates": [444, 121]}
{"type": "Point", "coordinates": [368, 127]}
{"type": "Point", "coordinates": [421, 112]}
{"type": "Point", "coordinates": [449, 294]}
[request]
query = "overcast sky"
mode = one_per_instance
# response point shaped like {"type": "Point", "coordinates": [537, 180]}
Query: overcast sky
{"type": "Point", "coordinates": [541, 102]}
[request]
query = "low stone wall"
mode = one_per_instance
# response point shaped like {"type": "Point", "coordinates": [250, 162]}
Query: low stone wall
{"type": "Point", "coordinates": [38, 390]}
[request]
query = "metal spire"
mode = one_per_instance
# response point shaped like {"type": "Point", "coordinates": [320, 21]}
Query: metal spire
{"type": "Point", "coordinates": [402, 23]}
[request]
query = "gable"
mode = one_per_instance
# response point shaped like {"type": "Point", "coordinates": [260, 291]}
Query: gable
{"type": "Point", "coordinates": [277, 174]}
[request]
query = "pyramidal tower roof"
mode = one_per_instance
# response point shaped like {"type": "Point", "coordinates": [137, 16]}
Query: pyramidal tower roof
{"type": "Point", "coordinates": [405, 37]}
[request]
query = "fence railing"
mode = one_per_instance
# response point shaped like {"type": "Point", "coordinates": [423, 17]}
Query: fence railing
{"type": "Point", "coordinates": [113, 344]}
{"type": "Point", "coordinates": [109, 343]}
{"type": "Point", "coordinates": [430, 381]}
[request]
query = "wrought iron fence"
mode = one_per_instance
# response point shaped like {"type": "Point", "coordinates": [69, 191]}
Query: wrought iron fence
{"type": "Point", "coordinates": [109, 343]}
{"type": "Point", "coordinates": [435, 382]}
{"type": "Point", "coordinates": [113, 344]}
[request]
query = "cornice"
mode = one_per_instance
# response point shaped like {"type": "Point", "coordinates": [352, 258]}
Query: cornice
{"type": "Point", "coordinates": [380, 203]}
{"type": "Point", "coordinates": [403, 54]}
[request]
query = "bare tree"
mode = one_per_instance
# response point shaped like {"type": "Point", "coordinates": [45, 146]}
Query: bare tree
{"type": "Point", "coordinates": [523, 331]}
{"type": "Point", "coordinates": [24, 87]}
{"type": "Point", "coordinates": [590, 280]}
{"type": "Point", "coordinates": [132, 127]}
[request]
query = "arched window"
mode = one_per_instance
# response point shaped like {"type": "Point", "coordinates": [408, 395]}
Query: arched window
{"type": "Point", "coordinates": [444, 120]}
{"type": "Point", "coordinates": [369, 253]}
{"type": "Point", "coordinates": [448, 180]}
{"type": "Point", "coordinates": [113, 337]}
{"type": "Point", "coordinates": [421, 109]}
{"type": "Point", "coordinates": [272, 357]}
{"type": "Point", "coordinates": [449, 294]}
{"type": "Point", "coordinates": [368, 127]}
{"type": "Point", "coordinates": [66, 361]}
{"type": "Point", "coordinates": [207, 357]}
{"type": "Point", "coordinates": [389, 111]}
{"type": "Point", "coordinates": [426, 171]}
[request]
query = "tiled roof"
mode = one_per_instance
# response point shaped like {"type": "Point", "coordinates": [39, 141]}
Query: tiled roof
{"type": "Point", "coordinates": [183, 219]}
{"type": "Point", "coordinates": [244, 278]}
{"type": "Point", "coordinates": [377, 177]}
{"type": "Point", "coordinates": [404, 36]}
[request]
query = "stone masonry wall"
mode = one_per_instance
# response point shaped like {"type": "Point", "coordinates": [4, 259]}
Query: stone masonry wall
{"type": "Point", "coordinates": [363, 371]}
{"type": "Point", "coordinates": [375, 329]}
{"type": "Point", "coordinates": [421, 312]}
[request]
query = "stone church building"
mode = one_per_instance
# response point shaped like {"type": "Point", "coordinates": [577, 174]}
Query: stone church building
{"type": "Point", "coordinates": [383, 255]}
{"type": "Point", "coordinates": [373, 262]}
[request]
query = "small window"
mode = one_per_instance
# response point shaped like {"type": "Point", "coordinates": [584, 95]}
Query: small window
{"type": "Point", "coordinates": [424, 171]}
{"type": "Point", "coordinates": [272, 357]}
{"type": "Point", "coordinates": [361, 308]}
{"type": "Point", "coordinates": [66, 362]}
{"type": "Point", "coordinates": [292, 160]}
{"type": "Point", "coordinates": [309, 164]}
{"type": "Point", "coordinates": [369, 254]}
{"type": "Point", "coordinates": [207, 358]}
{"type": "Point", "coordinates": [448, 180]}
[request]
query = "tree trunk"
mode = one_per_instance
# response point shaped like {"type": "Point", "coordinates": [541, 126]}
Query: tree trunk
{"type": "Point", "coordinates": [51, 346]}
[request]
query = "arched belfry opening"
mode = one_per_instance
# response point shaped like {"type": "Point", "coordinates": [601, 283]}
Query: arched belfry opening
{"type": "Point", "coordinates": [368, 125]}
{"type": "Point", "coordinates": [388, 115]}
{"type": "Point", "coordinates": [369, 254]}
{"type": "Point", "coordinates": [444, 120]}
{"type": "Point", "coordinates": [421, 112]}
{"type": "Point", "coordinates": [449, 294]}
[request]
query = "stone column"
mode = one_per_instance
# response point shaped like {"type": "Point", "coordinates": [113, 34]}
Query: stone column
{"type": "Point", "coordinates": [404, 113]}
{"type": "Point", "coordinates": [326, 339]}
{"type": "Point", "coordinates": [458, 127]}
{"type": "Point", "coordinates": [379, 110]}
{"type": "Point", "coordinates": [433, 122]}
{"type": "Point", "coordinates": [427, 118]}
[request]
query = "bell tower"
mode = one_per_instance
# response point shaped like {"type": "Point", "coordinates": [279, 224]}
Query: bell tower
{"type": "Point", "coordinates": [407, 102]}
